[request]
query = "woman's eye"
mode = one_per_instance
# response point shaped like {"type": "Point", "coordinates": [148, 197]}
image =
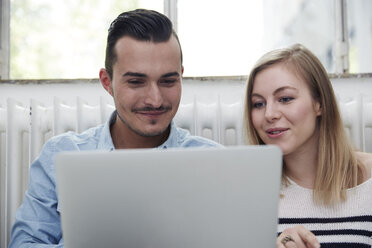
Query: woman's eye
{"type": "Point", "coordinates": [258, 104]}
{"type": "Point", "coordinates": [286, 99]}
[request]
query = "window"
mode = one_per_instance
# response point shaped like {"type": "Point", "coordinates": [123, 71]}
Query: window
{"type": "Point", "coordinates": [226, 38]}
{"type": "Point", "coordinates": [63, 39]}
{"type": "Point", "coordinates": [66, 39]}
{"type": "Point", "coordinates": [360, 35]}
{"type": "Point", "coordinates": [220, 38]}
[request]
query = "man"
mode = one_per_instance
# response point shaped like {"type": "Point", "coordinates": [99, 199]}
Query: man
{"type": "Point", "coordinates": [143, 74]}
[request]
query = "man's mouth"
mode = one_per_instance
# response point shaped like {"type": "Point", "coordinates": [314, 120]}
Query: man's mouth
{"type": "Point", "coordinates": [152, 111]}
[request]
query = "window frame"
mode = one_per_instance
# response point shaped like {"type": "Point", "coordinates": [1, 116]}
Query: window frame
{"type": "Point", "coordinates": [4, 39]}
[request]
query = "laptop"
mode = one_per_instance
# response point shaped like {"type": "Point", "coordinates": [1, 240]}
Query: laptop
{"type": "Point", "coordinates": [172, 198]}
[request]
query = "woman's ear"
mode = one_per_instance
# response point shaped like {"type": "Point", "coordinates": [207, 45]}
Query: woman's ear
{"type": "Point", "coordinates": [318, 108]}
{"type": "Point", "coordinates": [105, 79]}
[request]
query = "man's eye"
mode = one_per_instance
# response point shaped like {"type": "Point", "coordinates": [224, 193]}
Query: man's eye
{"type": "Point", "coordinates": [135, 82]}
{"type": "Point", "coordinates": [168, 81]}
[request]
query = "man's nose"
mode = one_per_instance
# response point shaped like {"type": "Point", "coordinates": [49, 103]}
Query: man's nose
{"type": "Point", "coordinates": [154, 96]}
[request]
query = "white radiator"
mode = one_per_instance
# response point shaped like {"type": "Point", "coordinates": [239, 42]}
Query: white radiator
{"type": "Point", "coordinates": [25, 127]}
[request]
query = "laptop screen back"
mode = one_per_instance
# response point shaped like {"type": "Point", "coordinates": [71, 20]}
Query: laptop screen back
{"type": "Point", "coordinates": [171, 198]}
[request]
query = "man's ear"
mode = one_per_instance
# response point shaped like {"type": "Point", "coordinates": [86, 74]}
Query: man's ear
{"type": "Point", "coordinates": [105, 79]}
{"type": "Point", "coordinates": [182, 69]}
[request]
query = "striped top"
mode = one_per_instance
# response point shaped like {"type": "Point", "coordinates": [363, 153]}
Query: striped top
{"type": "Point", "coordinates": [347, 224]}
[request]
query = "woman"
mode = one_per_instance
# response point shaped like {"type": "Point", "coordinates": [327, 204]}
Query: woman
{"type": "Point", "coordinates": [326, 195]}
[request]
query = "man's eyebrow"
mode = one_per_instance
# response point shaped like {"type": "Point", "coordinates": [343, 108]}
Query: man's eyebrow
{"type": "Point", "coordinates": [138, 74]}
{"type": "Point", "coordinates": [134, 74]}
{"type": "Point", "coordinates": [170, 74]}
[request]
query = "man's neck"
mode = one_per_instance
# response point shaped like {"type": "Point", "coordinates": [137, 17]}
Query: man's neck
{"type": "Point", "coordinates": [125, 138]}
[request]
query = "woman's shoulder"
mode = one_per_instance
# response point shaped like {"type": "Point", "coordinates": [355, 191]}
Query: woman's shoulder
{"type": "Point", "coordinates": [365, 159]}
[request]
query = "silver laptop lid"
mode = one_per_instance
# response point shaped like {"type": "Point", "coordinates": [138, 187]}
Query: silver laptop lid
{"type": "Point", "coordinates": [194, 198]}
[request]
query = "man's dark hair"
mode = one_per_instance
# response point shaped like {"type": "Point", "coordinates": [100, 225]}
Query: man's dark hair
{"type": "Point", "coordinates": [140, 24]}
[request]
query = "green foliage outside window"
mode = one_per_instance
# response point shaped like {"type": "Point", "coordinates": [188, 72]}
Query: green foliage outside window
{"type": "Point", "coordinates": [62, 38]}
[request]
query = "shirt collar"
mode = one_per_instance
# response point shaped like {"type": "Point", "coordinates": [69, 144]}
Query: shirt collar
{"type": "Point", "coordinates": [172, 138]}
{"type": "Point", "coordinates": [105, 141]}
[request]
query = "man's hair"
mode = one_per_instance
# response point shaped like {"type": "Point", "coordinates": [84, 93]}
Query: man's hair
{"type": "Point", "coordinates": [140, 24]}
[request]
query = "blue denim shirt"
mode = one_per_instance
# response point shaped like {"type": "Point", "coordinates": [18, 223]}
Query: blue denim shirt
{"type": "Point", "coordinates": [37, 221]}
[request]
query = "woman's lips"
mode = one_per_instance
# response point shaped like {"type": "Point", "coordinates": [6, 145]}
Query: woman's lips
{"type": "Point", "coordinates": [276, 132]}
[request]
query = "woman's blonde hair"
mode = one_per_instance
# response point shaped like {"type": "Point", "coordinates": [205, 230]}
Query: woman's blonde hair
{"type": "Point", "coordinates": [337, 167]}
